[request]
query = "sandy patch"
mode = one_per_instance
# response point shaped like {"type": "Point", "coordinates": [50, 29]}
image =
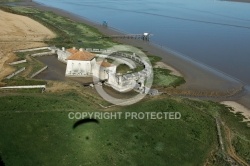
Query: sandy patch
{"type": "Point", "coordinates": [165, 66]}
{"type": "Point", "coordinates": [18, 32]}
{"type": "Point", "coordinates": [5, 69]}
{"type": "Point", "coordinates": [238, 108]}
{"type": "Point", "coordinates": [16, 27]}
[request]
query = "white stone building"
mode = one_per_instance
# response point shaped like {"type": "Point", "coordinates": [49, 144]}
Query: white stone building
{"type": "Point", "coordinates": [104, 71]}
{"type": "Point", "coordinates": [80, 64]}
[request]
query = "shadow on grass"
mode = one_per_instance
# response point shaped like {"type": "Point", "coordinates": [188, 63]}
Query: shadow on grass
{"type": "Point", "coordinates": [84, 121]}
{"type": "Point", "coordinates": [1, 162]}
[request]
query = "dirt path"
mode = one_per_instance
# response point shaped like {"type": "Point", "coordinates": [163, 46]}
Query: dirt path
{"type": "Point", "coordinates": [230, 149]}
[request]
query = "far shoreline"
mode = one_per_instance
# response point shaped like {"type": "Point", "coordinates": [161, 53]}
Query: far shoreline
{"type": "Point", "coordinates": [200, 79]}
{"type": "Point", "coordinates": [243, 1]}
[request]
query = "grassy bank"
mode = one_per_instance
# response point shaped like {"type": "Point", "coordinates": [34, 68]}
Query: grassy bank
{"type": "Point", "coordinates": [237, 133]}
{"type": "Point", "coordinates": [163, 78]}
{"type": "Point", "coordinates": [23, 81]}
{"type": "Point", "coordinates": [69, 33]}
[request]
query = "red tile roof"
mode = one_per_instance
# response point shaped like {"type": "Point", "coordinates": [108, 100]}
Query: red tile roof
{"type": "Point", "coordinates": [72, 50]}
{"type": "Point", "coordinates": [104, 64]}
{"type": "Point", "coordinates": [82, 56]}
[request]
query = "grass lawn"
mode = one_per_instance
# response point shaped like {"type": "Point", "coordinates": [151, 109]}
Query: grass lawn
{"type": "Point", "coordinates": [22, 81]}
{"type": "Point", "coordinates": [163, 78]}
{"type": "Point", "coordinates": [123, 68]}
{"type": "Point", "coordinates": [35, 130]}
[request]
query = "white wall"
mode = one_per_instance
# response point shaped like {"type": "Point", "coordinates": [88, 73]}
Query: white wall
{"type": "Point", "coordinates": [102, 72]}
{"type": "Point", "coordinates": [24, 87]}
{"type": "Point", "coordinates": [63, 55]}
{"type": "Point", "coordinates": [78, 68]}
{"type": "Point", "coordinates": [15, 73]}
{"type": "Point", "coordinates": [18, 62]}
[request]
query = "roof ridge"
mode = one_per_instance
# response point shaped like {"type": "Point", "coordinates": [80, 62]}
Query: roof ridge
{"type": "Point", "coordinates": [82, 55]}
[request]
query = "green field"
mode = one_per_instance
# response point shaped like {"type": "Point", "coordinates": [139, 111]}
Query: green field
{"type": "Point", "coordinates": [36, 130]}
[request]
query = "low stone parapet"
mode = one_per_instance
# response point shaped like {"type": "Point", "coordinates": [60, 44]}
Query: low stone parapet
{"type": "Point", "coordinates": [128, 62]}
{"type": "Point", "coordinates": [24, 87]}
{"type": "Point", "coordinates": [43, 54]}
{"type": "Point", "coordinates": [38, 72]}
{"type": "Point", "coordinates": [33, 49]}
{"type": "Point", "coordinates": [18, 62]}
{"type": "Point", "coordinates": [15, 73]}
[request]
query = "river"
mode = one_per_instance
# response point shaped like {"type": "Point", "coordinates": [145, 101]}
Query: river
{"type": "Point", "coordinates": [215, 33]}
